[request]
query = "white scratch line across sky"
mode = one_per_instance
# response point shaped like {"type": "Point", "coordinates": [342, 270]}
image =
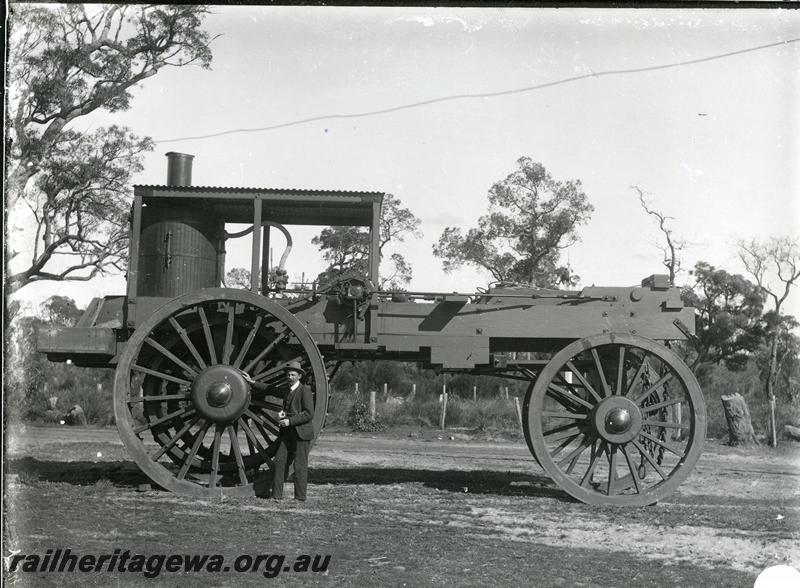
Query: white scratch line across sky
{"type": "Point", "coordinates": [483, 95]}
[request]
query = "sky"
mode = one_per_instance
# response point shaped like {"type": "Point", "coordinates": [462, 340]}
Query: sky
{"type": "Point", "coordinates": [714, 144]}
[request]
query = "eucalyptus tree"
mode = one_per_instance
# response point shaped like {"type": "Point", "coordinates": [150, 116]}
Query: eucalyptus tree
{"type": "Point", "coordinates": [531, 219]}
{"type": "Point", "coordinates": [66, 62]}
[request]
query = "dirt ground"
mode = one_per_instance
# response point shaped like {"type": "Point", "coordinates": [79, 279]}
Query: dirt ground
{"type": "Point", "coordinates": [400, 510]}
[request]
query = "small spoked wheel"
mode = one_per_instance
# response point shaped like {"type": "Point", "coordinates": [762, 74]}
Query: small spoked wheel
{"type": "Point", "coordinates": [185, 409]}
{"type": "Point", "coordinates": [616, 419]}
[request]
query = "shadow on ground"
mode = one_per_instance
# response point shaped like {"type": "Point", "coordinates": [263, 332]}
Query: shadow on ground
{"type": "Point", "coordinates": [127, 474]}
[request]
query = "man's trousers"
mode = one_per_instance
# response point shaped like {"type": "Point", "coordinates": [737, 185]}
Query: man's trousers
{"type": "Point", "coordinates": [291, 449]}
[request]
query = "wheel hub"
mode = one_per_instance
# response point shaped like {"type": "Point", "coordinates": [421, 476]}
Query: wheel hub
{"type": "Point", "coordinates": [617, 420]}
{"type": "Point", "coordinates": [220, 393]}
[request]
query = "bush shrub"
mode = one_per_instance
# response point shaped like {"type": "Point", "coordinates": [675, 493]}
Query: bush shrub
{"type": "Point", "coordinates": [484, 415]}
{"type": "Point", "coordinates": [360, 420]}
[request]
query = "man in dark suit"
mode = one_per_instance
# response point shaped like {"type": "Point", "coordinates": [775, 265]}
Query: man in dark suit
{"type": "Point", "coordinates": [297, 431]}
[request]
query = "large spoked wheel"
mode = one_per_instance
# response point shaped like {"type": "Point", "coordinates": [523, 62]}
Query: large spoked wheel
{"type": "Point", "coordinates": [184, 409]}
{"type": "Point", "coordinates": [616, 419]}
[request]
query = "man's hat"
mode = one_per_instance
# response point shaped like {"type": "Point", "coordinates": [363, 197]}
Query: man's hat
{"type": "Point", "coordinates": [294, 366]}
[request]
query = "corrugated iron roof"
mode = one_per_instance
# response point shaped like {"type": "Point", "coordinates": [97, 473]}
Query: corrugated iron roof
{"type": "Point", "coordinates": [299, 191]}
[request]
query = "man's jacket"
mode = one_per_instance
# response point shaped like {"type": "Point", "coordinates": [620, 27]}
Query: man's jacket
{"type": "Point", "coordinates": [299, 407]}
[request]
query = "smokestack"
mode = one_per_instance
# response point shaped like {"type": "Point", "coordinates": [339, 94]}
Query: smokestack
{"type": "Point", "coordinates": [179, 169]}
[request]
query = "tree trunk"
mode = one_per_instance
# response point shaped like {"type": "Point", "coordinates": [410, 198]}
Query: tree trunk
{"type": "Point", "coordinates": [771, 377]}
{"type": "Point", "coordinates": [740, 429]}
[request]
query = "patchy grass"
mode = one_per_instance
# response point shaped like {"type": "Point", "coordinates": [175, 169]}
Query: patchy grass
{"type": "Point", "coordinates": [28, 478]}
{"type": "Point", "coordinates": [412, 512]}
{"type": "Point", "coordinates": [378, 534]}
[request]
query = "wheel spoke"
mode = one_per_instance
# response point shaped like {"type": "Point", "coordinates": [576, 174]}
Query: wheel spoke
{"type": "Point", "coordinates": [606, 389]}
{"type": "Point", "coordinates": [212, 478]}
{"type": "Point", "coordinates": [268, 439]}
{"type": "Point", "coordinates": [612, 470]}
{"type": "Point", "coordinates": [631, 468]}
{"type": "Point", "coordinates": [583, 381]}
{"type": "Point", "coordinates": [195, 446]}
{"type": "Point", "coordinates": [266, 418]}
{"type": "Point", "coordinates": [237, 452]}
{"type": "Point", "coordinates": [568, 395]}
{"type": "Point", "coordinates": [665, 425]}
{"type": "Point", "coordinates": [645, 365]}
{"type": "Point", "coordinates": [171, 443]}
{"type": "Point", "coordinates": [158, 398]}
{"type": "Point", "coordinates": [660, 405]}
{"type": "Point", "coordinates": [260, 422]}
{"type": "Point", "coordinates": [594, 461]}
{"type": "Point", "coordinates": [574, 455]}
{"type": "Point", "coordinates": [250, 447]}
{"type": "Point", "coordinates": [661, 443]}
{"type": "Point", "coordinates": [212, 352]}
{"type": "Point", "coordinates": [162, 375]}
{"type": "Point", "coordinates": [661, 381]}
{"type": "Point", "coordinates": [565, 415]}
{"type": "Point", "coordinates": [645, 454]}
{"type": "Point", "coordinates": [561, 432]}
{"type": "Point", "coordinates": [169, 355]}
{"type": "Point", "coordinates": [564, 403]}
{"type": "Point", "coordinates": [621, 370]}
{"type": "Point", "coordinates": [268, 405]}
{"type": "Point", "coordinates": [251, 437]}
{"type": "Point", "coordinates": [264, 352]}
{"type": "Point", "coordinates": [277, 369]}
{"type": "Point", "coordinates": [186, 341]}
{"type": "Point", "coordinates": [248, 342]}
{"type": "Point", "coordinates": [180, 412]}
{"type": "Point", "coordinates": [563, 445]}
{"type": "Point", "coordinates": [227, 349]}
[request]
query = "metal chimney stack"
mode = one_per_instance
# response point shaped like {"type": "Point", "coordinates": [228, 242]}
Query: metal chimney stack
{"type": "Point", "coordinates": [179, 169]}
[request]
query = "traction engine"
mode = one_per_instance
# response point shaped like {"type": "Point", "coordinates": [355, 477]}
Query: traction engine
{"type": "Point", "coordinates": [611, 413]}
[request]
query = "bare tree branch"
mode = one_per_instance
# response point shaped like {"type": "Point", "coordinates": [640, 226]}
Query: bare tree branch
{"type": "Point", "coordinates": [673, 246]}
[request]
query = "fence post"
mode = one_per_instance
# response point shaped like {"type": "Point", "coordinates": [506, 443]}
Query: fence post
{"type": "Point", "coordinates": [506, 393]}
{"type": "Point", "coordinates": [444, 407]}
{"type": "Point", "coordinates": [372, 411]}
{"type": "Point", "coordinates": [474, 394]}
{"type": "Point", "coordinates": [385, 391]}
{"type": "Point", "coordinates": [518, 410]}
{"type": "Point", "coordinates": [413, 392]}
